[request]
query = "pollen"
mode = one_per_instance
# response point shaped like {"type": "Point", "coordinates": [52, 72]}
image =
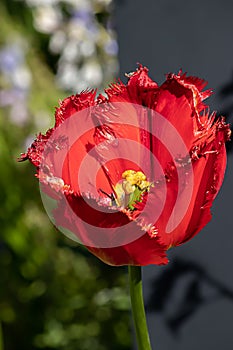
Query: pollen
{"type": "Point", "coordinates": [137, 178]}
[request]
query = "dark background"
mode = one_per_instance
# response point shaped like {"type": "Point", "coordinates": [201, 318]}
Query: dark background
{"type": "Point", "coordinates": [189, 302]}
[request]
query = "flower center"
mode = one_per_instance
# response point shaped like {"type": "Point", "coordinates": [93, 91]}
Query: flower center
{"type": "Point", "coordinates": [130, 189]}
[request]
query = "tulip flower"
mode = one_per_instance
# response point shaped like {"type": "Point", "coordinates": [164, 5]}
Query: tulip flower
{"type": "Point", "coordinates": [135, 172]}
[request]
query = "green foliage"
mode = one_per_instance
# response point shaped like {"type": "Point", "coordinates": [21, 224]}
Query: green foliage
{"type": "Point", "coordinates": [53, 293]}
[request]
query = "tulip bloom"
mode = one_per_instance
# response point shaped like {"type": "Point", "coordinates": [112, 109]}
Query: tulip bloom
{"type": "Point", "coordinates": [155, 175]}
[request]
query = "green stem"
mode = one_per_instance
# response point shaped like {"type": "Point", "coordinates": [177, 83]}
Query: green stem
{"type": "Point", "coordinates": [135, 281]}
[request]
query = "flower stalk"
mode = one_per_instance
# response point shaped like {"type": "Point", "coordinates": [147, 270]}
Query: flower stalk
{"type": "Point", "coordinates": [138, 310]}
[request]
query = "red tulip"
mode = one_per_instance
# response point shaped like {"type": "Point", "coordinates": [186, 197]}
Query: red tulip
{"type": "Point", "coordinates": [151, 160]}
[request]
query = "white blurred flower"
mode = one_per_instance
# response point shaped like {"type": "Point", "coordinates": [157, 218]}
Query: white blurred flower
{"type": "Point", "coordinates": [76, 30]}
{"type": "Point", "coordinates": [80, 85]}
{"type": "Point", "coordinates": [22, 78]}
{"type": "Point", "coordinates": [47, 19]}
{"type": "Point", "coordinates": [19, 113]}
{"type": "Point", "coordinates": [80, 4]}
{"type": "Point", "coordinates": [67, 76]}
{"type": "Point", "coordinates": [71, 51]}
{"type": "Point", "coordinates": [34, 3]}
{"type": "Point", "coordinates": [86, 45]}
{"type": "Point", "coordinates": [92, 73]}
{"type": "Point", "coordinates": [57, 41]}
{"type": "Point", "coordinates": [104, 2]}
{"type": "Point", "coordinates": [87, 48]}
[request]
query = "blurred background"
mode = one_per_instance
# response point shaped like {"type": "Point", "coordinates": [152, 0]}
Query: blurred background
{"type": "Point", "coordinates": [54, 294]}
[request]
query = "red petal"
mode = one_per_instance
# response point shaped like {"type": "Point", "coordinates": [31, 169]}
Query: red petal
{"type": "Point", "coordinates": [141, 252]}
{"type": "Point", "coordinates": [73, 104]}
{"type": "Point", "coordinates": [140, 89]}
{"type": "Point", "coordinates": [35, 151]}
{"type": "Point", "coordinates": [210, 182]}
{"type": "Point", "coordinates": [208, 170]}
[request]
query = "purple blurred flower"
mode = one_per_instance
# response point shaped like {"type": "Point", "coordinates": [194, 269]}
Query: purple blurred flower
{"type": "Point", "coordinates": [8, 97]}
{"type": "Point", "coordinates": [11, 56]}
{"type": "Point", "coordinates": [84, 15]}
{"type": "Point", "coordinates": [111, 47]}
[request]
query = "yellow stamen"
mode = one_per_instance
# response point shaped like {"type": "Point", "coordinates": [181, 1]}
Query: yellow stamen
{"type": "Point", "coordinates": [136, 178]}
{"type": "Point", "coordinates": [133, 182]}
{"type": "Point", "coordinates": [128, 173]}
